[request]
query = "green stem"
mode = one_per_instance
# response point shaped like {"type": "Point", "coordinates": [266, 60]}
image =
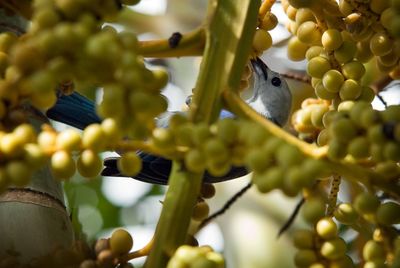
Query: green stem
{"type": "Point", "coordinates": [228, 46]}
{"type": "Point", "coordinates": [175, 217]}
{"type": "Point", "coordinates": [229, 37]}
{"type": "Point", "coordinates": [242, 109]}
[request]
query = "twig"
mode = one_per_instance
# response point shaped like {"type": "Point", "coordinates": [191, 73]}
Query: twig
{"type": "Point", "coordinates": [190, 44]}
{"type": "Point", "coordinates": [138, 253]}
{"type": "Point", "coordinates": [292, 217]}
{"type": "Point", "coordinates": [379, 85]}
{"type": "Point", "coordinates": [242, 109]}
{"type": "Point", "coordinates": [227, 205]}
{"type": "Point", "coordinates": [336, 179]}
{"type": "Point", "coordinates": [298, 77]}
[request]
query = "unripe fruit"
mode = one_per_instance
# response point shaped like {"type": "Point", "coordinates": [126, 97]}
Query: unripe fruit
{"type": "Point", "coordinates": [269, 180]}
{"type": "Point", "coordinates": [345, 213]}
{"type": "Point", "coordinates": [94, 137]}
{"type": "Point", "coordinates": [296, 49]}
{"type": "Point", "coordinates": [318, 66]}
{"type": "Point", "coordinates": [359, 147]}
{"type": "Point", "coordinates": [373, 250]}
{"type": "Point", "coordinates": [313, 209]}
{"type": "Point", "coordinates": [326, 228]}
{"type": "Point", "coordinates": [302, 3]}
{"type": "Point", "coordinates": [343, 130]}
{"type": "Point", "coordinates": [89, 164]}
{"type": "Point", "coordinates": [305, 257]}
{"type": "Point", "coordinates": [333, 249]}
{"type": "Point", "coordinates": [353, 70]}
{"type": "Point", "coordinates": [308, 33]}
{"type": "Point", "coordinates": [68, 140]}
{"type": "Point", "coordinates": [381, 44]}
{"type": "Point", "coordinates": [129, 164]}
{"type": "Point", "coordinates": [366, 203]}
{"type": "Point", "coordinates": [33, 155]}
{"type": "Point", "coordinates": [62, 165]}
{"type": "Point", "coordinates": [262, 40]}
{"type": "Point", "coordinates": [121, 242]}
{"type": "Point", "coordinates": [331, 39]}
{"type": "Point", "coordinates": [195, 161]}
{"type": "Point", "coordinates": [200, 211]}
{"type": "Point", "coordinates": [388, 213]}
{"type": "Point", "coordinates": [332, 80]}
{"type": "Point", "coordinates": [18, 173]}
{"type": "Point", "coordinates": [303, 239]}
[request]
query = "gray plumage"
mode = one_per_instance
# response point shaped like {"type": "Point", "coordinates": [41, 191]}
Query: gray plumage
{"type": "Point", "coordinates": [271, 95]}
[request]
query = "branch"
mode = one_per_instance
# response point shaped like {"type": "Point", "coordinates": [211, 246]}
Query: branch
{"type": "Point", "coordinates": [190, 44]}
{"type": "Point", "coordinates": [242, 109]}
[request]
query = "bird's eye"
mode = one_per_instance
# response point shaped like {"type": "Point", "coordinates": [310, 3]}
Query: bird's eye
{"type": "Point", "coordinates": [276, 81]}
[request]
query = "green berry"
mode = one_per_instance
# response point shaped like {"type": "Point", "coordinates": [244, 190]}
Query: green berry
{"type": "Point", "coordinates": [343, 130]}
{"type": "Point", "coordinates": [94, 137]}
{"type": "Point", "coordinates": [326, 228]}
{"type": "Point", "coordinates": [129, 164]}
{"type": "Point", "coordinates": [318, 66]}
{"type": "Point", "coordinates": [366, 203]}
{"type": "Point", "coordinates": [195, 161]}
{"type": "Point", "coordinates": [305, 257]}
{"type": "Point", "coordinates": [121, 242]}
{"type": "Point", "coordinates": [68, 140]}
{"type": "Point", "coordinates": [373, 250]}
{"type": "Point", "coordinates": [313, 210]}
{"type": "Point", "coordinates": [89, 164]}
{"type": "Point", "coordinates": [331, 39]}
{"type": "Point", "coordinates": [388, 213]}
{"type": "Point", "coordinates": [303, 239]}
{"type": "Point", "coordinates": [18, 173]}
{"type": "Point", "coordinates": [62, 165]}
{"type": "Point", "coordinates": [345, 213]}
{"type": "Point", "coordinates": [332, 80]}
{"type": "Point", "coordinates": [334, 249]}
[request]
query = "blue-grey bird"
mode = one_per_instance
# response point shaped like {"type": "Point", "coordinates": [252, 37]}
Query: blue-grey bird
{"type": "Point", "coordinates": [270, 97]}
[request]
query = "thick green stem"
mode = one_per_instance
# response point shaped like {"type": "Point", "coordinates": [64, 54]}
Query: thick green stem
{"type": "Point", "coordinates": [175, 217]}
{"type": "Point", "coordinates": [228, 44]}
{"type": "Point", "coordinates": [229, 37]}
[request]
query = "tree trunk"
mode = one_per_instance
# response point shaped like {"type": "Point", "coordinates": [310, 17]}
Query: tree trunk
{"type": "Point", "coordinates": [33, 219]}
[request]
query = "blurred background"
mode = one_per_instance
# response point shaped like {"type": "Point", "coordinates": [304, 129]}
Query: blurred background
{"type": "Point", "coordinates": [247, 233]}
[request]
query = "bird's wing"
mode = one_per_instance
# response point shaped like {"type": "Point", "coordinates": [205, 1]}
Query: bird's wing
{"type": "Point", "coordinates": [74, 110]}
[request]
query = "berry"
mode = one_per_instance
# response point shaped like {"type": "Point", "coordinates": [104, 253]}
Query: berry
{"type": "Point", "coordinates": [129, 164]}
{"type": "Point", "coordinates": [121, 242]}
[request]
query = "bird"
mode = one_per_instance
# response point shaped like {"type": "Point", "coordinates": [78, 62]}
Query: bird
{"type": "Point", "coordinates": [270, 97]}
